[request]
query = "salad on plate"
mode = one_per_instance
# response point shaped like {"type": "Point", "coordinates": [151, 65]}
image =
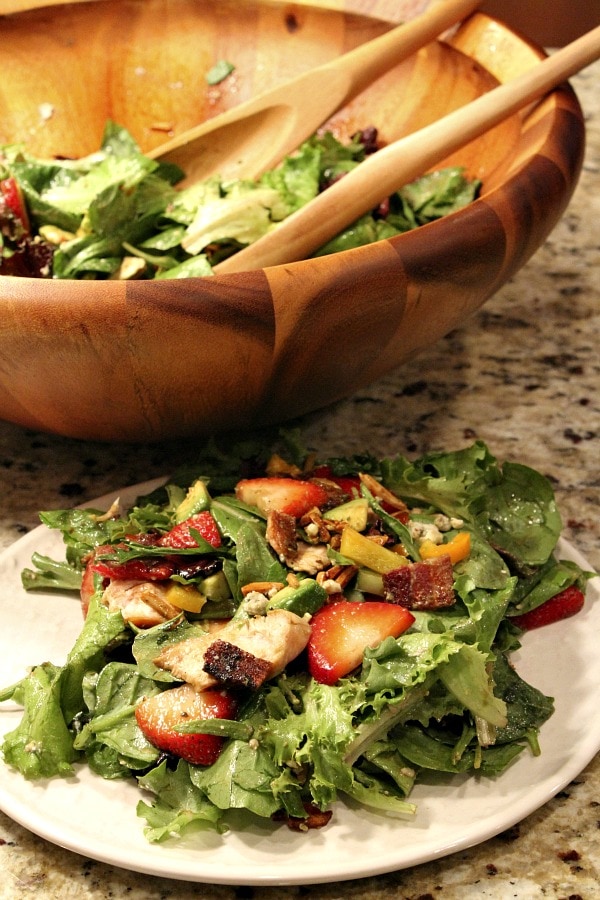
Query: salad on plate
{"type": "Point", "coordinates": [276, 634]}
{"type": "Point", "coordinates": [118, 213]}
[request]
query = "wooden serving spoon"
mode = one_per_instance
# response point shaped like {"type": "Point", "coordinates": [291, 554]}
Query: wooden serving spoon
{"type": "Point", "coordinates": [251, 138]}
{"type": "Point", "coordinates": [403, 160]}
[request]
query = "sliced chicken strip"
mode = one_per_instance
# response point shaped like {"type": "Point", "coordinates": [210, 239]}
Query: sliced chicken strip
{"type": "Point", "coordinates": [143, 603]}
{"type": "Point", "coordinates": [277, 637]}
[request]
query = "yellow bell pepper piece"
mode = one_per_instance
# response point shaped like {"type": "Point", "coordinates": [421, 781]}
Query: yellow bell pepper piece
{"type": "Point", "coordinates": [456, 548]}
{"type": "Point", "coordinates": [367, 553]}
{"type": "Point", "coordinates": [185, 597]}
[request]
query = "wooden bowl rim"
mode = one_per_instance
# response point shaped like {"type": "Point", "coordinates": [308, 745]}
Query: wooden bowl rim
{"type": "Point", "coordinates": [562, 98]}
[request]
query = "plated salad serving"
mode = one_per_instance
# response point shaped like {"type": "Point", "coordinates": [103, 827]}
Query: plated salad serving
{"type": "Point", "coordinates": [278, 634]}
{"type": "Point", "coordinates": [118, 214]}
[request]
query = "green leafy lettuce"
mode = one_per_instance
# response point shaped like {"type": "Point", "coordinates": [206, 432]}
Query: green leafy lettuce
{"type": "Point", "coordinates": [117, 213]}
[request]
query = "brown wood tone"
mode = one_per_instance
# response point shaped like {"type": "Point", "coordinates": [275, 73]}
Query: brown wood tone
{"type": "Point", "coordinates": [128, 361]}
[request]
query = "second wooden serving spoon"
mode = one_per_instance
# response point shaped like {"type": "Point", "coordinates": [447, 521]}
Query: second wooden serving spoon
{"type": "Point", "coordinates": [403, 160]}
{"type": "Point", "coordinates": [252, 137]}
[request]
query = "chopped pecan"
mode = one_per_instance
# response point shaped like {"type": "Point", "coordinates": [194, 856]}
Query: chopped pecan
{"type": "Point", "coordinates": [342, 574]}
{"type": "Point", "coordinates": [378, 538]}
{"type": "Point", "coordinates": [386, 497]}
{"type": "Point", "coordinates": [315, 818]}
{"type": "Point", "coordinates": [281, 534]}
{"type": "Point", "coordinates": [318, 530]}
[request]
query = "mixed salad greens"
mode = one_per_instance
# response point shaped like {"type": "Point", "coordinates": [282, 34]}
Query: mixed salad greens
{"type": "Point", "coordinates": [118, 214]}
{"type": "Point", "coordinates": [402, 588]}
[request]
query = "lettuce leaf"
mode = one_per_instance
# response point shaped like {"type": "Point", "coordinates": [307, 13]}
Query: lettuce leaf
{"type": "Point", "coordinates": [512, 506]}
{"type": "Point", "coordinates": [42, 745]}
{"type": "Point", "coordinates": [177, 805]}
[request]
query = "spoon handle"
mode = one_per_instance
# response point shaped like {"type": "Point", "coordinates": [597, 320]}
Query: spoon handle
{"type": "Point", "coordinates": [254, 136]}
{"type": "Point", "coordinates": [361, 66]}
{"type": "Point", "coordinates": [403, 160]}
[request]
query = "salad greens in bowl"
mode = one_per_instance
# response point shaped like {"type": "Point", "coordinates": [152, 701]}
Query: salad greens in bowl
{"type": "Point", "coordinates": [310, 634]}
{"type": "Point", "coordinates": [116, 322]}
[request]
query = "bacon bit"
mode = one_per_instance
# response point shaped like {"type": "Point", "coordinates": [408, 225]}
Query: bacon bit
{"type": "Point", "coordinates": [315, 818]}
{"type": "Point", "coordinates": [235, 667]}
{"type": "Point", "coordinates": [421, 585]}
{"type": "Point", "coordinates": [263, 587]}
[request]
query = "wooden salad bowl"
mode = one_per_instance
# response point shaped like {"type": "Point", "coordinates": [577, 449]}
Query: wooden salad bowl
{"type": "Point", "coordinates": [153, 360]}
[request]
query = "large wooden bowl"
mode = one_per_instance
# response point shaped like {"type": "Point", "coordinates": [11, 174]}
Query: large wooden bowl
{"type": "Point", "coordinates": [146, 360]}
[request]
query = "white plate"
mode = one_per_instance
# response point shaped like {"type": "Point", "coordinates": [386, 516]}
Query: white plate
{"type": "Point", "coordinates": [97, 818]}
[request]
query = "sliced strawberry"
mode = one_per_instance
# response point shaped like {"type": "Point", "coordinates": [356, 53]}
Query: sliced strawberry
{"type": "Point", "coordinates": [150, 569]}
{"type": "Point", "coordinates": [563, 605]}
{"type": "Point", "coordinates": [288, 495]}
{"type": "Point", "coordinates": [341, 631]}
{"type": "Point", "coordinates": [159, 716]}
{"type": "Point", "coordinates": [12, 195]}
{"type": "Point", "coordinates": [181, 535]}
{"type": "Point", "coordinates": [86, 590]}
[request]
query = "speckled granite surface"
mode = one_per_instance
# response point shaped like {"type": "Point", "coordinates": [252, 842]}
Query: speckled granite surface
{"type": "Point", "coordinates": [523, 375]}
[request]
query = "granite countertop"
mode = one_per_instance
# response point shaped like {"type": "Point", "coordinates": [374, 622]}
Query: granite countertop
{"type": "Point", "coordinates": [523, 375]}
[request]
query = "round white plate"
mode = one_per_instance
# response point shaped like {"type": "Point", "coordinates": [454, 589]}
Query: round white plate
{"type": "Point", "coordinates": [97, 818]}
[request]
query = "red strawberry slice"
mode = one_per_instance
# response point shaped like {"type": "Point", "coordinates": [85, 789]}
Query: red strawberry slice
{"type": "Point", "coordinates": [288, 495]}
{"type": "Point", "coordinates": [86, 590]}
{"type": "Point", "coordinates": [342, 631]}
{"type": "Point", "coordinates": [181, 536]}
{"type": "Point", "coordinates": [12, 195]}
{"type": "Point", "coordinates": [151, 569]}
{"type": "Point", "coordinates": [158, 717]}
{"type": "Point", "coordinates": [563, 605]}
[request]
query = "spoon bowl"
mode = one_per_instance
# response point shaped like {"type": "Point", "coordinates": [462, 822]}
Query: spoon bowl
{"type": "Point", "coordinates": [153, 360]}
{"type": "Point", "coordinates": [253, 137]}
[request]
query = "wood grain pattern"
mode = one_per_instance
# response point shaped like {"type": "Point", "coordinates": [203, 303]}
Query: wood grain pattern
{"type": "Point", "coordinates": [149, 360]}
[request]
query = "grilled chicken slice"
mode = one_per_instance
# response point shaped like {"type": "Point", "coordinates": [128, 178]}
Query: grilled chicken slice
{"type": "Point", "coordinates": [143, 603]}
{"type": "Point", "coordinates": [277, 638]}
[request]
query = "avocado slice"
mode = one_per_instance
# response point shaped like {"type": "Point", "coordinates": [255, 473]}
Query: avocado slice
{"type": "Point", "coordinates": [353, 512]}
{"type": "Point", "coordinates": [196, 500]}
